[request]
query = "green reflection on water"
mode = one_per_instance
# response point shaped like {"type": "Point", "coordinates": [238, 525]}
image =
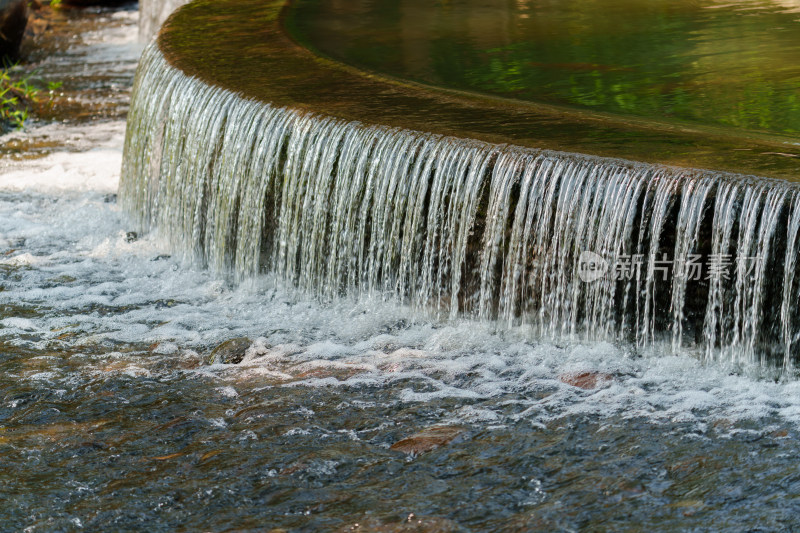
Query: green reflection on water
{"type": "Point", "coordinates": [732, 64]}
{"type": "Point", "coordinates": [254, 56]}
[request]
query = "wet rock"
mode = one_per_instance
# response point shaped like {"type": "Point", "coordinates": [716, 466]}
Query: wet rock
{"type": "Point", "coordinates": [13, 21]}
{"type": "Point", "coordinates": [131, 236]}
{"type": "Point", "coordinates": [586, 380]}
{"type": "Point", "coordinates": [427, 440]}
{"type": "Point", "coordinates": [189, 360]}
{"type": "Point", "coordinates": [230, 352]}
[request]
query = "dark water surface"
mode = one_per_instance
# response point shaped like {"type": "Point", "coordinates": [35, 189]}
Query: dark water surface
{"type": "Point", "coordinates": [714, 62]}
{"type": "Point", "coordinates": [111, 421]}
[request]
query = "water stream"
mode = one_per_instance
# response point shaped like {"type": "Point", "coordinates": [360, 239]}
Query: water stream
{"type": "Point", "coordinates": [110, 419]}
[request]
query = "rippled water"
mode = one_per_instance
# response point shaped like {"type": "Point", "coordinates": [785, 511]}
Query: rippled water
{"type": "Point", "coordinates": [111, 420]}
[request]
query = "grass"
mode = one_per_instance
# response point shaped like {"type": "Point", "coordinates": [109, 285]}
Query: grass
{"type": "Point", "coordinates": [16, 97]}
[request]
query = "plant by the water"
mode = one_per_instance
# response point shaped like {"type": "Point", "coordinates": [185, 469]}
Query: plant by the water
{"type": "Point", "coordinates": [17, 95]}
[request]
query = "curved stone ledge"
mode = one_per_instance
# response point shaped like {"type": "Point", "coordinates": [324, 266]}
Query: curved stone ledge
{"type": "Point", "coordinates": [347, 184]}
{"type": "Point", "coordinates": [241, 45]}
{"type": "Point", "coordinates": [463, 227]}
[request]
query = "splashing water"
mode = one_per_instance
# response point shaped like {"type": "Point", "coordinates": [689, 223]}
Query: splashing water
{"type": "Point", "coordinates": [108, 414]}
{"type": "Point", "coordinates": [460, 227]}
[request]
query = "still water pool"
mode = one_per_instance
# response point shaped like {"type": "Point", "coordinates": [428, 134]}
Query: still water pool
{"type": "Point", "coordinates": [112, 420]}
{"type": "Point", "coordinates": [709, 61]}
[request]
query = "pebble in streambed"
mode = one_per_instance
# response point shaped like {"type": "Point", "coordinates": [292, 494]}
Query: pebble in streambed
{"type": "Point", "coordinates": [230, 352]}
{"type": "Point", "coordinates": [427, 440]}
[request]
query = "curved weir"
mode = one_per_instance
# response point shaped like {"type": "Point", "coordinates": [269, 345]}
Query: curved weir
{"type": "Point", "coordinates": [569, 245]}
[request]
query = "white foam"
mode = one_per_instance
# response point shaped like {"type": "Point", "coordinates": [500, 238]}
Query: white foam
{"type": "Point", "coordinates": [96, 169]}
{"type": "Point", "coordinates": [64, 251]}
{"type": "Point", "coordinates": [76, 257]}
{"type": "Point", "coordinates": [22, 324]}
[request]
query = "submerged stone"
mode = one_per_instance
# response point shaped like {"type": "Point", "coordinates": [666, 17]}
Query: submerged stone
{"type": "Point", "coordinates": [230, 352]}
{"type": "Point", "coordinates": [586, 380]}
{"type": "Point", "coordinates": [427, 440]}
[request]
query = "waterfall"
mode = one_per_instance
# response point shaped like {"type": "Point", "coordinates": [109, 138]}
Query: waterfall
{"type": "Point", "coordinates": [568, 245]}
